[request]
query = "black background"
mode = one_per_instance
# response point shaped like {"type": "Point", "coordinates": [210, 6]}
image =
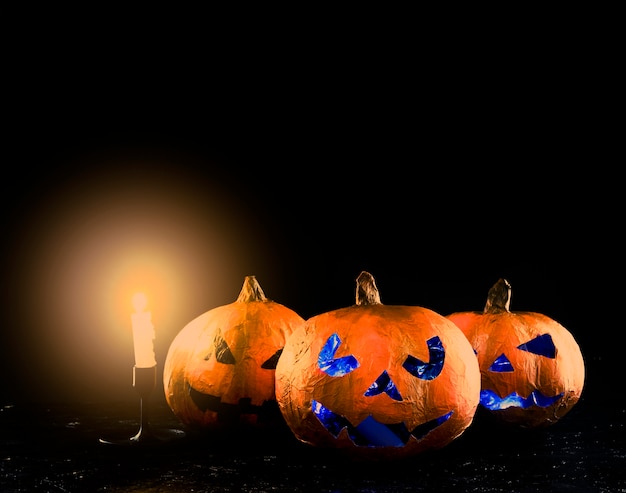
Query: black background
{"type": "Point", "coordinates": [438, 186]}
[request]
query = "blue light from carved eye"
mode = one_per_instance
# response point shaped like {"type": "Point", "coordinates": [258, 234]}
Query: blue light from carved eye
{"type": "Point", "coordinates": [541, 345]}
{"type": "Point", "coordinates": [432, 369]}
{"type": "Point", "coordinates": [335, 367]}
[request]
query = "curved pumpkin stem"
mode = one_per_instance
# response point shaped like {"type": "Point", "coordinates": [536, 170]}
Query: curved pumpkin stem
{"type": "Point", "coordinates": [251, 291]}
{"type": "Point", "coordinates": [499, 297]}
{"type": "Point", "coordinates": [366, 290]}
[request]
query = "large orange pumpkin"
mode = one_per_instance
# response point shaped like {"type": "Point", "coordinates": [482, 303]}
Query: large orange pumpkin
{"type": "Point", "coordinates": [532, 369]}
{"type": "Point", "coordinates": [219, 370]}
{"type": "Point", "coordinates": [377, 381]}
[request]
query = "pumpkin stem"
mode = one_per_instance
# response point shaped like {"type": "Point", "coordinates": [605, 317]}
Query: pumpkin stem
{"type": "Point", "coordinates": [499, 297]}
{"type": "Point", "coordinates": [366, 290]}
{"type": "Point", "coordinates": [251, 291]}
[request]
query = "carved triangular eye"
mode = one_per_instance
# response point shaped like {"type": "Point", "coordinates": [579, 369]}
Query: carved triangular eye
{"type": "Point", "coordinates": [541, 345]}
{"type": "Point", "coordinates": [270, 363]}
{"type": "Point", "coordinates": [222, 351]}
{"type": "Point", "coordinates": [501, 364]}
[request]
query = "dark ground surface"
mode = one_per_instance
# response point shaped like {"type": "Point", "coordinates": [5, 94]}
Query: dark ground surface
{"type": "Point", "coordinates": [56, 448]}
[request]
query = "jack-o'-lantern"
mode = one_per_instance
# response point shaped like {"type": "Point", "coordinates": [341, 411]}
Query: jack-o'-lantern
{"type": "Point", "coordinates": [375, 381]}
{"type": "Point", "coordinates": [219, 370]}
{"type": "Point", "coordinates": [532, 369]}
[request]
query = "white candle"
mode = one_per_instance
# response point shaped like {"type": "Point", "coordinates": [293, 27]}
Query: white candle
{"type": "Point", "coordinates": [143, 333]}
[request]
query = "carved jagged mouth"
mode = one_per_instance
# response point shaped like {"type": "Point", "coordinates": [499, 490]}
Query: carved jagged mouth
{"type": "Point", "coordinates": [231, 412]}
{"type": "Point", "coordinates": [372, 433]}
{"type": "Point", "coordinates": [493, 402]}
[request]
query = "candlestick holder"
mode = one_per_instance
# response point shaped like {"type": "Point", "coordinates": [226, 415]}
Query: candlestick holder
{"type": "Point", "coordinates": [144, 382]}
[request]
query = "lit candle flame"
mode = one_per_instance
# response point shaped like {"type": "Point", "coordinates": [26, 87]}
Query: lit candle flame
{"type": "Point", "coordinates": [140, 302]}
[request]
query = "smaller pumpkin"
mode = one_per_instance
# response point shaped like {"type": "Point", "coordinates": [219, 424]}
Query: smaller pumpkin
{"type": "Point", "coordinates": [377, 382]}
{"type": "Point", "coordinates": [532, 369]}
{"type": "Point", "coordinates": [219, 370]}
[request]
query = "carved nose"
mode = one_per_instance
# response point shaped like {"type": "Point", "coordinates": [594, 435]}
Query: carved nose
{"type": "Point", "coordinates": [384, 384]}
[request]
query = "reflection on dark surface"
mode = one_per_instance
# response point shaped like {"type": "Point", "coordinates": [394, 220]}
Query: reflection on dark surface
{"type": "Point", "coordinates": [55, 448]}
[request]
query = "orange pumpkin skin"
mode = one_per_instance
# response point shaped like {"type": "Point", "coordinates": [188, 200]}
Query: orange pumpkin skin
{"type": "Point", "coordinates": [557, 372]}
{"type": "Point", "coordinates": [219, 370]}
{"type": "Point", "coordinates": [381, 338]}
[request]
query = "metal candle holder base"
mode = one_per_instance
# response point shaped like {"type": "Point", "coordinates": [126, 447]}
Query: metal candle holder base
{"type": "Point", "coordinates": [144, 382]}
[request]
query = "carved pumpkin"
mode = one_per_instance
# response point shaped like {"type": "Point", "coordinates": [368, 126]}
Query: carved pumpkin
{"type": "Point", "coordinates": [377, 381]}
{"type": "Point", "coordinates": [532, 369]}
{"type": "Point", "coordinates": [219, 370]}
